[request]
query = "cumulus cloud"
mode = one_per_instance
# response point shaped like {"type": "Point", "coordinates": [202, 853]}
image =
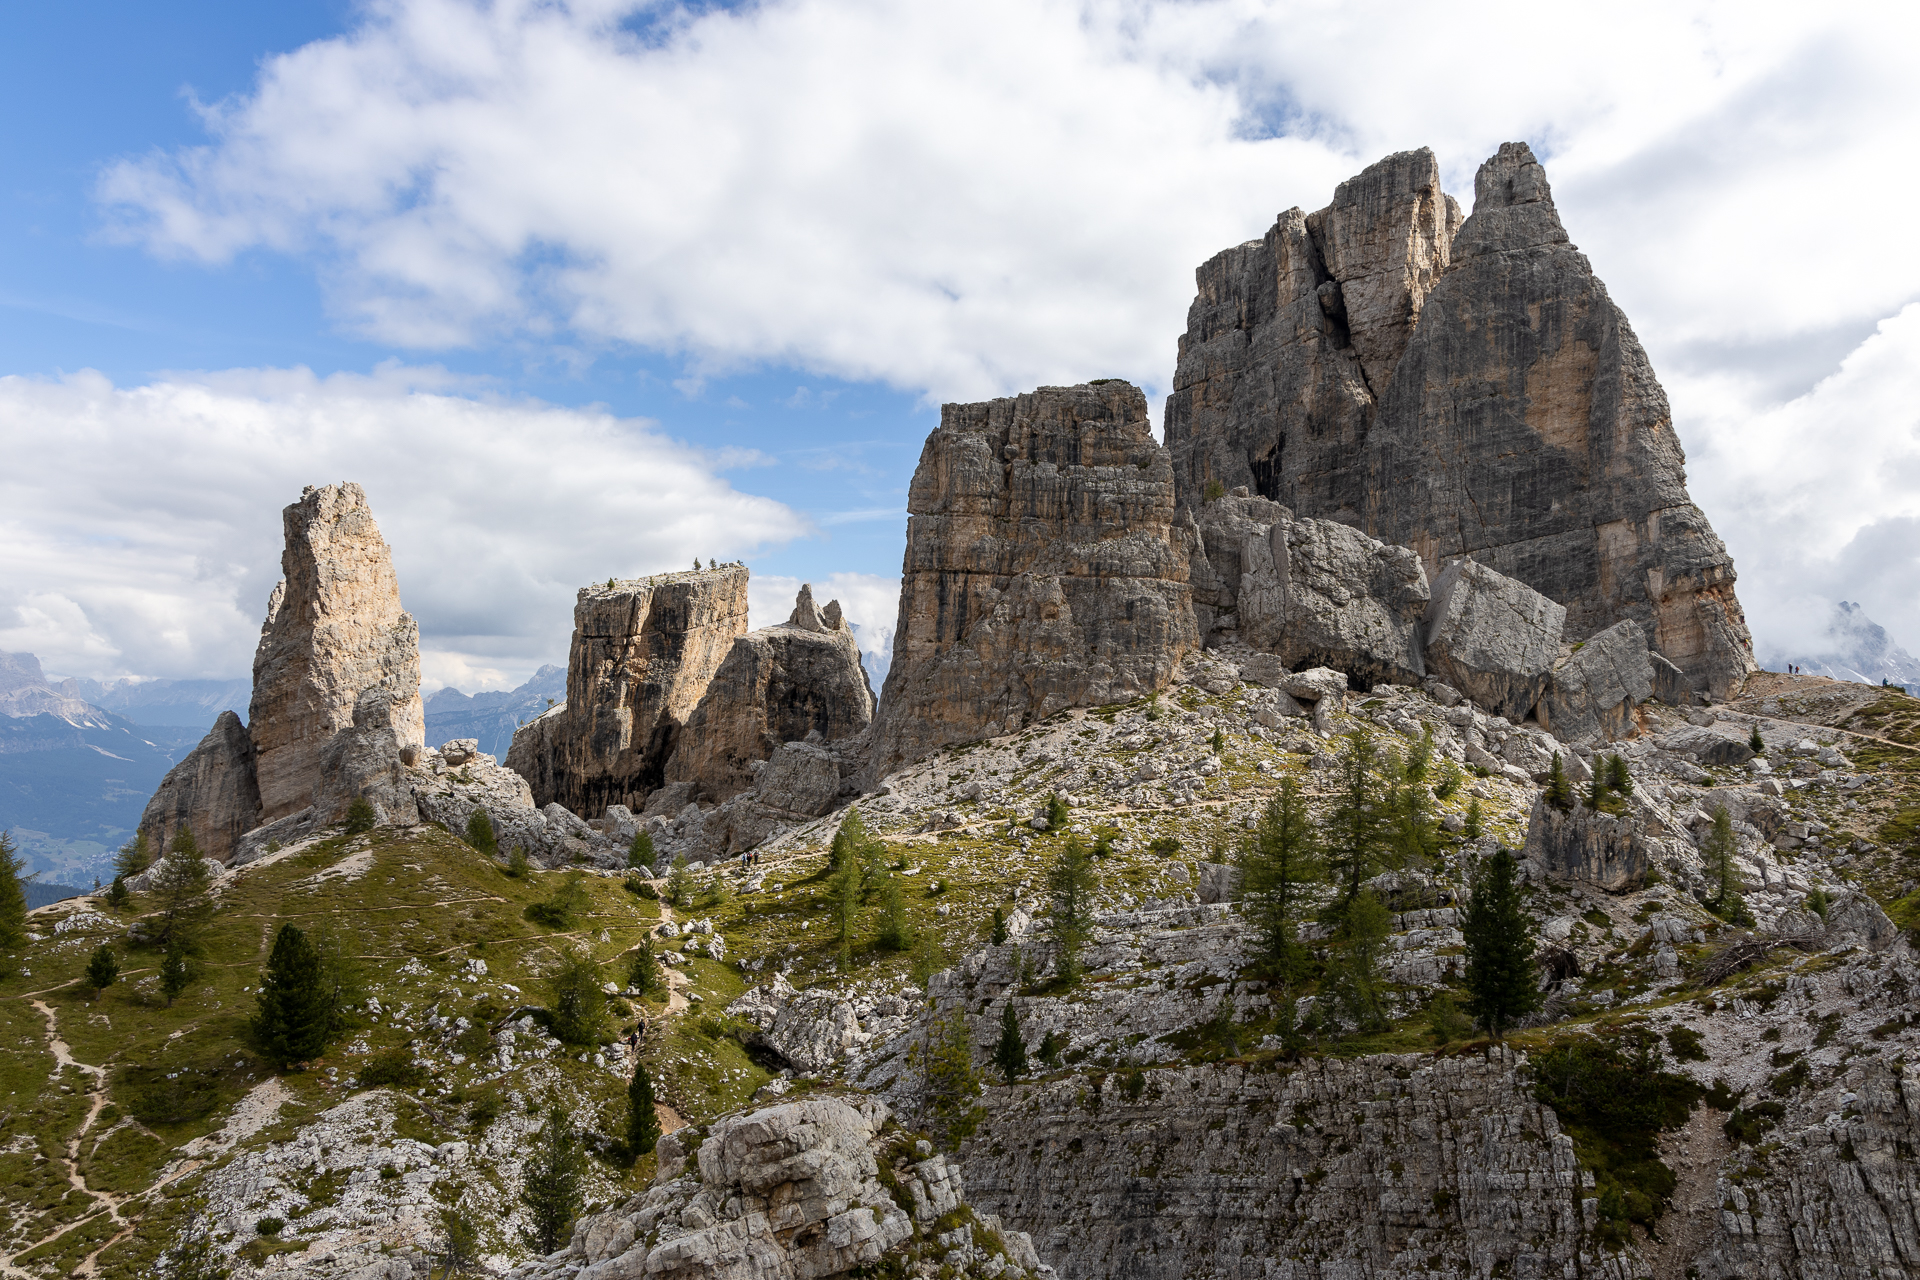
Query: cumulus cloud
{"type": "Point", "coordinates": [966, 200]}
{"type": "Point", "coordinates": [142, 535]}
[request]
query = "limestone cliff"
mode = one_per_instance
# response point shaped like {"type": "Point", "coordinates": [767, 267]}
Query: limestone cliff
{"type": "Point", "coordinates": [334, 630]}
{"type": "Point", "coordinates": [1458, 393]}
{"type": "Point", "coordinates": [644, 652]}
{"type": "Point", "coordinates": [213, 792]}
{"type": "Point", "coordinates": [777, 685]}
{"type": "Point", "coordinates": [1042, 571]}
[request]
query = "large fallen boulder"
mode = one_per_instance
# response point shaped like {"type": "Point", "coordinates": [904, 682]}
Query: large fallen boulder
{"type": "Point", "coordinates": [1493, 638]}
{"type": "Point", "coordinates": [810, 1030]}
{"type": "Point", "coordinates": [1594, 690]}
{"type": "Point", "coordinates": [1582, 845]}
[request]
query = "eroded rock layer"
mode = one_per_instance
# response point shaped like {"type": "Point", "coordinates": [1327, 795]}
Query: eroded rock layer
{"type": "Point", "coordinates": [644, 652]}
{"type": "Point", "coordinates": [1458, 393]}
{"type": "Point", "coordinates": [1043, 569]}
{"type": "Point", "coordinates": [334, 630]}
{"type": "Point", "coordinates": [212, 792]}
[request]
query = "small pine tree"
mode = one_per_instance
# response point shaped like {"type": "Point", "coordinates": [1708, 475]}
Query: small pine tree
{"type": "Point", "coordinates": [1559, 788]}
{"type": "Point", "coordinates": [1010, 1055]}
{"type": "Point", "coordinates": [517, 868]}
{"type": "Point", "coordinates": [295, 1005]}
{"type": "Point", "coordinates": [1450, 780]}
{"type": "Point", "coordinates": [13, 903]}
{"type": "Point", "coordinates": [1499, 938]}
{"type": "Point", "coordinates": [1756, 742]}
{"type": "Point", "coordinates": [1419, 761]}
{"type": "Point", "coordinates": [1357, 969]}
{"type": "Point", "coordinates": [134, 857]}
{"type": "Point", "coordinates": [1052, 1045]}
{"type": "Point", "coordinates": [1058, 815]}
{"type": "Point", "coordinates": [999, 935]}
{"type": "Point", "coordinates": [551, 1180]}
{"type": "Point", "coordinates": [896, 928]}
{"type": "Point", "coordinates": [640, 850]}
{"type": "Point", "coordinates": [179, 890]}
{"type": "Point", "coordinates": [103, 970]}
{"type": "Point", "coordinates": [117, 895]}
{"type": "Point", "coordinates": [680, 884]}
{"type": "Point", "coordinates": [643, 1126]}
{"type": "Point", "coordinates": [176, 971]}
{"type": "Point", "coordinates": [1071, 882]}
{"type": "Point", "coordinates": [1218, 743]}
{"type": "Point", "coordinates": [1619, 781]}
{"type": "Point", "coordinates": [1718, 850]}
{"type": "Point", "coordinates": [480, 833]}
{"type": "Point", "coordinates": [579, 1005]}
{"type": "Point", "coordinates": [1277, 866]}
{"type": "Point", "coordinates": [360, 816]}
{"type": "Point", "coordinates": [562, 908]}
{"type": "Point", "coordinates": [843, 898]}
{"type": "Point", "coordinates": [643, 971]}
{"type": "Point", "coordinates": [1355, 832]}
{"type": "Point", "coordinates": [942, 1061]}
{"type": "Point", "coordinates": [1474, 819]}
{"type": "Point", "coordinates": [459, 1242]}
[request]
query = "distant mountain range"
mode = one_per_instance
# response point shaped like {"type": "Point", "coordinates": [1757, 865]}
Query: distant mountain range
{"type": "Point", "coordinates": [193, 703]}
{"type": "Point", "coordinates": [74, 776]}
{"type": "Point", "coordinates": [492, 717]}
{"type": "Point", "coordinates": [1856, 648]}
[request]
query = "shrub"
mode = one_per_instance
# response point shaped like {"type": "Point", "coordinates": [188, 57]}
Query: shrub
{"type": "Point", "coordinates": [640, 851]}
{"type": "Point", "coordinates": [1214, 491]}
{"type": "Point", "coordinates": [269, 1226]}
{"type": "Point", "coordinates": [640, 887]}
{"type": "Point", "coordinates": [1165, 846]}
{"type": "Point", "coordinates": [562, 908]}
{"type": "Point", "coordinates": [579, 1006]}
{"type": "Point", "coordinates": [1685, 1044]}
{"type": "Point", "coordinates": [360, 816]}
{"type": "Point", "coordinates": [517, 868]}
{"type": "Point", "coordinates": [480, 833]}
{"type": "Point", "coordinates": [482, 1113]}
{"type": "Point", "coordinates": [1057, 813]}
{"type": "Point", "coordinates": [391, 1069]}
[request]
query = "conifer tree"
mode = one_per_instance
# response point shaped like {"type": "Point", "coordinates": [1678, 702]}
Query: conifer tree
{"type": "Point", "coordinates": [999, 935]}
{"type": "Point", "coordinates": [1499, 938]}
{"type": "Point", "coordinates": [1756, 742]}
{"type": "Point", "coordinates": [640, 850]}
{"type": "Point", "coordinates": [117, 895]}
{"type": "Point", "coordinates": [579, 1005]}
{"type": "Point", "coordinates": [1277, 865]}
{"type": "Point", "coordinates": [1051, 1046]}
{"type": "Point", "coordinates": [1559, 788]}
{"type": "Point", "coordinates": [134, 856]}
{"type": "Point", "coordinates": [179, 889]}
{"type": "Point", "coordinates": [1619, 781]}
{"type": "Point", "coordinates": [295, 1006]}
{"type": "Point", "coordinates": [1718, 850]}
{"type": "Point", "coordinates": [896, 928]}
{"type": "Point", "coordinates": [176, 970]}
{"type": "Point", "coordinates": [1357, 968]}
{"type": "Point", "coordinates": [13, 903]}
{"type": "Point", "coordinates": [1010, 1055]}
{"type": "Point", "coordinates": [1071, 882]}
{"type": "Point", "coordinates": [1356, 829]}
{"type": "Point", "coordinates": [551, 1180]}
{"type": "Point", "coordinates": [643, 971]}
{"type": "Point", "coordinates": [643, 1126]}
{"type": "Point", "coordinates": [360, 816]}
{"type": "Point", "coordinates": [480, 833]}
{"type": "Point", "coordinates": [103, 970]}
{"type": "Point", "coordinates": [1058, 815]}
{"type": "Point", "coordinates": [1475, 817]}
{"type": "Point", "coordinates": [680, 882]}
{"type": "Point", "coordinates": [843, 897]}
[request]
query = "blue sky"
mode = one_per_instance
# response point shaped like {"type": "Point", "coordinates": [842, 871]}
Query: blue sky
{"type": "Point", "coordinates": [570, 300]}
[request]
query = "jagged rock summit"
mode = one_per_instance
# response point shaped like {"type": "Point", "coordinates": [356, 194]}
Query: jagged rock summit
{"type": "Point", "coordinates": [1043, 569]}
{"type": "Point", "coordinates": [1460, 389]}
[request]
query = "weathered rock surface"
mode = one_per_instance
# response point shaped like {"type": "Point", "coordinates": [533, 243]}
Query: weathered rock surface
{"type": "Point", "coordinates": [1344, 1168]}
{"type": "Point", "coordinates": [643, 654]}
{"type": "Point", "coordinates": [334, 630]}
{"type": "Point", "coordinates": [212, 791]}
{"type": "Point", "coordinates": [1492, 638]}
{"type": "Point", "coordinates": [791, 1192]}
{"type": "Point", "coordinates": [1311, 592]}
{"type": "Point", "coordinates": [1471, 393]}
{"type": "Point", "coordinates": [1581, 845]}
{"type": "Point", "coordinates": [777, 685]}
{"type": "Point", "coordinates": [1594, 690]}
{"type": "Point", "coordinates": [1042, 569]}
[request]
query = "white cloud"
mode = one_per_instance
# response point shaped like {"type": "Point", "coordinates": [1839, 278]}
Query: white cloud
{"type": "Point", "coordinates": [140, 526]}
{"type": "Point", "coordinates": [974, 199]}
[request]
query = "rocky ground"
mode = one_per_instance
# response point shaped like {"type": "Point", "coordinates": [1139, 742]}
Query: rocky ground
{"type": "Point", "coordinates": [1158, 1113]}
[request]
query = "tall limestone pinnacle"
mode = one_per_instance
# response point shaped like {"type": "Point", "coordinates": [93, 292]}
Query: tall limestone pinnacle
{"type": "Point", "coordinates": [334, 630]}
{"type": "Point", "coordinates": [1460, 389]}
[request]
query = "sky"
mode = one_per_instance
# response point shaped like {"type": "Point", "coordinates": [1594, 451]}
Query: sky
{"type": "Point", "coordinates": [592, 288]}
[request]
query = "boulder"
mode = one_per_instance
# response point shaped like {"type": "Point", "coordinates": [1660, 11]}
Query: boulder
{"type": "Point", "coordinates": [1218, 882]}
{"type": "Point", "coordinates": [1710, 746]}
{"type": "Point", "coordinates": [810, 1030]}
{"type": "Point", "coordinates": [334, 631]}
{"type": "Point", "coordinates": [458, 779]}
{"type": "Point", "coordinates": [1492, 638]}
{"type": "Point", "coordinates": [1594, 690]}
{"type": "Point", "coordinates": [1584, 846]}
{"type": "Point", "coordinates": [1042, 570]}
{"type": "Point", "coordinates": [777, 685]}
{"type": "Point", "coordinates": [643, 654]}
{"type": "Point", "coordinates": [213, 791]}
{"type": "Point", "coordinates": [1310, 592]}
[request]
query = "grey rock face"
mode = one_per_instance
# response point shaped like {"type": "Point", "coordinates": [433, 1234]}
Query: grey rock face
{"type": "Point", "coordinates": [811, 1030]}
{"type": "Point", "coordinates": [777, 685]}
{"type": "Point", "coordinates": [1593, 692]}
{"type": "Point", "coordinates": [1310, 592]}
{"type": "Point", "coordinates": [365, 761]}
{"type": "Point", "coordinates": [643, 655]}
{"type": "Point", "coordinates": [457, 780]}
{"type": "Point", "coordinates": [1492, 638]}
{"type": "Point", "coordinates": [1581, 845]}
{"type": "Point", "coordinates": [1709, 746]}
{"type": "Point", "coordinates": [213, 791]}
{"type": "Point", "coordinates": [334, 630]}
{"type": "Point", "coordinates": [789, 1192]}
{"type": "Point", "coordinates": [1041, 570]}
{"type": "Point", "coordinates": [1338, 1164]}
{"type": "Point", "coordinates": [1507, 412]}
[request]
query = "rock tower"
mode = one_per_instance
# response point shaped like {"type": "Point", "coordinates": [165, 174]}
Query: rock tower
{"type": "Point", "coordinates": [1043, 569]}
{"type": "Point", "coordinates": [1460, 389]}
